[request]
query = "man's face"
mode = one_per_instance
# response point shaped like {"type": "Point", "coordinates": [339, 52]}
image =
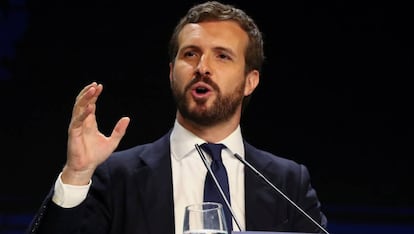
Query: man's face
{"type": "Point", "coordinates": [208, 76]}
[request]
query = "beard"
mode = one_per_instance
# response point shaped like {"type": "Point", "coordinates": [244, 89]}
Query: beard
{"type": "Point", "coordinates": [222, 109]}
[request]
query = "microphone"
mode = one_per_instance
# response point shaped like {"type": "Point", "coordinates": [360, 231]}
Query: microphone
{"type": "Point", "coordinates": [279, 191]}
{"type": "Point", "coordinates": [207, 165]}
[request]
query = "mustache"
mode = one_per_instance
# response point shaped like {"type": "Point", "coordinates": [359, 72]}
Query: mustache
{"type": "Point", "coordinates": [206, 79]}
{"type": "Point", "coordinates": [199, 77]}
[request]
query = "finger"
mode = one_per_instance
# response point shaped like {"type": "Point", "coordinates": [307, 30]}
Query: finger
{"type": "Point", "coordinates": [87, 96]}
{"type": "Point", "coordinates": [86, 118]}
{"type": "Point", "coordinates": [85, 104]}
{"type": "Point", "coordinates": [119, 130]}
{"type": "Point", "coordinates": [94, 93]}
{"type": "Point", "coordinates": [86, 88]}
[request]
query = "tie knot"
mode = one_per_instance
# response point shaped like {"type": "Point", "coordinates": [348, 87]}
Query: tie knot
{"type": "Point", "coordinates": [214, 150]}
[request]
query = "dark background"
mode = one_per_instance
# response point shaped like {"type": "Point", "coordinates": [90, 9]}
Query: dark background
{"type": "Point", "coordinates": [335, 94]}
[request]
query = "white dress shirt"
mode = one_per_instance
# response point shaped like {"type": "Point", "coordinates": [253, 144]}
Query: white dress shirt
{"type": "Point", "coordinates": [188, 172]}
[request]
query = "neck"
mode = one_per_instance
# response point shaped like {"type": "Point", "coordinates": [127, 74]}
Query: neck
{"type": "Point", "coordinates": [212, 133]}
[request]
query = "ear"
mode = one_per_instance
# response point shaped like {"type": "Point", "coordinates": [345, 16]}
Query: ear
{"type": "Point", "coordinates": [171, 71]}
{"type": "Point", "coordinates": [252, 80]}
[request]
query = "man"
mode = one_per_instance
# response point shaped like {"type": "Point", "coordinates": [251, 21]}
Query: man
{"type": "Point", "coordinates": [216, 54]}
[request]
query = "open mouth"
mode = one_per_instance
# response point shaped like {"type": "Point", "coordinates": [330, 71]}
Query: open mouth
{"type": "Point", "coordinates": [201, 90]}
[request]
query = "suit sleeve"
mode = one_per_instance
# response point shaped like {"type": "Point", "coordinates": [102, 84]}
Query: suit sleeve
{"type": "Point", "coordinates": [309, 202]}
{"type": "Point", "coordinates": [91, 215]}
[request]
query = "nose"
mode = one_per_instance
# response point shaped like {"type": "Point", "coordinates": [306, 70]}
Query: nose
{"type": "Point", "coordinates": [203, 66]}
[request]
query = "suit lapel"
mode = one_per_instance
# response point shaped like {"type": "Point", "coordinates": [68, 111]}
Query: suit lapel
{"type": "Point", "coordinates": [261, 202]}
{"type": "Point", "coordinates": [155, 184]}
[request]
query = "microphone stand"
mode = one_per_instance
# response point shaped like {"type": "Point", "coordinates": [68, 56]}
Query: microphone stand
{"type": "Point", "coordinates": [279, 191]}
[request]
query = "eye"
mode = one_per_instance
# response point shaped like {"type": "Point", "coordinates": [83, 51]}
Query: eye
{"type": "Point", "coordinates": [189, 54]}
{"type": "Point", "coordinates": [224, 56]}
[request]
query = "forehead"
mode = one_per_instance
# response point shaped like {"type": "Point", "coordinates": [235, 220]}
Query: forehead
{"type": "Point", "coordinates": [214, 34]}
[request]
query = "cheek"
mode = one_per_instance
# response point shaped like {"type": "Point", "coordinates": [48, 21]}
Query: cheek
{"type": "Point", "coordinates": [182, 74]}
{"type": "Point", "coordinates": [235, 84]}
{"type": "Point", "coordinates": [182, 70]}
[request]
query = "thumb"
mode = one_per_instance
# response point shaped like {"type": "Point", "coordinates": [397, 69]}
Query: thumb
{"type": "Point", "coordinates": [119, 130]}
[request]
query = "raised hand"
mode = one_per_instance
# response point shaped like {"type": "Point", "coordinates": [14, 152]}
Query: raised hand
{"type": "Point", "coordinates": [87, 146]}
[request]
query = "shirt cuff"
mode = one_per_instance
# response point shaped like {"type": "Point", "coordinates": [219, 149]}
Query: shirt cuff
{"type": "Point", "coordinates": [68, 196]}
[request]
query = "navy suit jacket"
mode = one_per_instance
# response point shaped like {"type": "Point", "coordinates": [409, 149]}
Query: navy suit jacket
{"type": "Point", "coordinates": [132, 192]}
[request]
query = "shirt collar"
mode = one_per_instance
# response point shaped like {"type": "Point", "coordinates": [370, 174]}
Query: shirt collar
{"type": "Point", "coordinates": [183, 141]}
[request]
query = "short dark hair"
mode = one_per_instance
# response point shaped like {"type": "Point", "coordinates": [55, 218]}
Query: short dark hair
{"type": "Point", "coordinates": [212, 11]}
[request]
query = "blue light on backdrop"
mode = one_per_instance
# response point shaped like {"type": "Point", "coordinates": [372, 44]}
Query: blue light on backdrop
{"type": "Point", "coordinates": [13, 24]}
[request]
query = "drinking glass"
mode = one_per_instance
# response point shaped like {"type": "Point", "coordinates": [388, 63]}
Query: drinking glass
{"type": "Point", "coordinates": [204, 218]}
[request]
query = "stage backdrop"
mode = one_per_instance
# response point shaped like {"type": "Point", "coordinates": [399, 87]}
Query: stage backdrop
{"type": "Point", "coordinates": [334, 95]}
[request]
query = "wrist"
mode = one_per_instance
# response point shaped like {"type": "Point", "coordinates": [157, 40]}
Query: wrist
{"type": "Point", "coordinates": [76, 177]}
